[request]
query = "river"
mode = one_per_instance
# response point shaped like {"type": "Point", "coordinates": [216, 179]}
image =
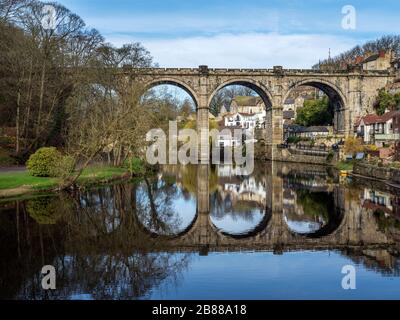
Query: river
{"type": "Point", "coordinates": [284, 232]}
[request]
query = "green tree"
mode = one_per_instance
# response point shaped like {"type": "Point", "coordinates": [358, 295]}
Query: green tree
{"type": "Point", "coordinates": [387, 101]}
{"type": "Point", "coordinates": [315, 112]}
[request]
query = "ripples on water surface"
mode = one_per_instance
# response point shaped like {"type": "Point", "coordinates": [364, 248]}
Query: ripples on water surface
{"type": "Point", "coordinates": [284, 232]}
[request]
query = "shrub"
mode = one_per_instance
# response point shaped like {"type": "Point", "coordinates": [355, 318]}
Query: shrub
{"type": "Point", "coordinates": [371, 148]}
{"type": "Point", "coordinates": [353, 145]}
{"type": "Point", "coordinates": [65, 167]}
{"type": "Point", "coordinates": [293, 139]}
{"type": "Point", "coordinates": [135, 166]}
{"type": "Point", "coordinates": [44, 162]}
{"type": "Point", "coordinates": [138, 167]}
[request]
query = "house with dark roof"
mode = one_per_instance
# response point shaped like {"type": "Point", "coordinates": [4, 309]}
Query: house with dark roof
{"type": "Point", "coordinates": [288, 117]}
{"type": "Point", "coordinates": [376, 61]}
{"type": "Point", "coordinates": [314, 132]}
{"type": "Point", "coordinates": [379, 130]}
{"type": "Point", "coordinates": [247, 104]}
{"type": "Point", "coordinates": [294, 130]}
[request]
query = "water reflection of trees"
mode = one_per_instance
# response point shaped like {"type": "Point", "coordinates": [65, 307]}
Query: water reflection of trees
{"type": "Point", "coordinates": [107, 276]}
{"type": "Point", "coordinates": [154, 206]}
{"type": "Point", "coordinates": [93, 239]}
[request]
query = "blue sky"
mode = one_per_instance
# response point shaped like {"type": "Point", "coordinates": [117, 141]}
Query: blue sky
{"type": "Point", "coordinates": [232, 33]}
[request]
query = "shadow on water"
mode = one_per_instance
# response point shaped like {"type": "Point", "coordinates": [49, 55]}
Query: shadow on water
{"type": "Point", "coordinates": [128, 241]}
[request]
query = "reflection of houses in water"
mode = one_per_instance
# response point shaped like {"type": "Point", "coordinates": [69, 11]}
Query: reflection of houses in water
{"type": "Point", "coordinates": [247, 191]}
{"type": "Point", "coordinates": [232, 171]}
{"type": "Point", "coordinates": [314, 183]}
{"type": "Point", "coordinates": [378, 260]}
{"type": "Point", "coordinates": [378, 200]}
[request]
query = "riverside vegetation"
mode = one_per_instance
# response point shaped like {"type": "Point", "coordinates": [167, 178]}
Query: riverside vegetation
{"type": "Point", "coordinates": [47, 170]}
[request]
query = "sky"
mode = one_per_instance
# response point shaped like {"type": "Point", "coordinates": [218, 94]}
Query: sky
{"type": "Point", "coordinates": [238, 34]}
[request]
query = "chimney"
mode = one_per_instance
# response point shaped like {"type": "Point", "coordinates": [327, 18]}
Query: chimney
{"type": "Point", "coordinates": [359, 59]}
{"type": "Point", "coordinates": [382, 53]}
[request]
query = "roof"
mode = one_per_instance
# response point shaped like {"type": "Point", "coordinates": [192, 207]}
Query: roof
{"type": "Point", "coordinates": [300, 129]}
{"type": "Point", "coordinates": [288, 114]}
{"type": "Point", "coordinates": [239, 113]}
{"type": "Point", "coordinates": [372, 58]}
{"type": "Point", "coordinates": [294, 128]}
{"type": "Point", "coordinates": [374, 118]}
{"type": "Point", "coordinates": [247, 100]}
{"type": "Point", "coordinates": [289, 101]}
{"type": "Point", "coordinates": [316, 129]}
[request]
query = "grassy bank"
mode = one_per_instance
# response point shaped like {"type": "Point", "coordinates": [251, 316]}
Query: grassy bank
{"type": "Point", "coordinates": [345, 166]}
{"type": "Point", "coordinates": [19, 183]}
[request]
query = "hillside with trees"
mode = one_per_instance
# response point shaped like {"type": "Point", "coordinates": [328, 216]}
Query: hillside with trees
{"type": "Point", "coordinates": [386, 43]}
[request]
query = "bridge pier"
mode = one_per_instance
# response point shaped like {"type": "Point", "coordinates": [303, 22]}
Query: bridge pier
{"type": "Point", "coordinates": [203, 195]}
{"type": "Point", "coordinates": [203, 110]}
{"type": "Point", "coordinates": [274, 132]}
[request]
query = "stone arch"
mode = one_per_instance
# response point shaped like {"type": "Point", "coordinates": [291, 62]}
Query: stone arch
{"type": "Point", "coordinates": [337, 99]}
{"type": "Point", "coordinates": [318, 83]}
{"type": "Point", "coordinates": [174, 82]}
{"type": "Point", "coordinates": [249, 83]}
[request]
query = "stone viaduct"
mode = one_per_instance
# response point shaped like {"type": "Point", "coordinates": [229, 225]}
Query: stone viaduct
{"type": "Point", "coordinates": [351, 94]}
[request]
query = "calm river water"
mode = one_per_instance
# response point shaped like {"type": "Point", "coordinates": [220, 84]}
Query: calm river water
{"type": "Point", "coordinates": [284, 232]}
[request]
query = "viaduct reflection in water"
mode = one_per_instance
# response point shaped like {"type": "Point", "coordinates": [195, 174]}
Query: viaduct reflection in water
{"type": "Point", "coordinates": [123, 241]}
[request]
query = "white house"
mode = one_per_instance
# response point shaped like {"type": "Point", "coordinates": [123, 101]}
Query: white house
{"type": "Point", "coordinates": [245, 120]}
{"type": "Point", "coordinates": [374, 129]}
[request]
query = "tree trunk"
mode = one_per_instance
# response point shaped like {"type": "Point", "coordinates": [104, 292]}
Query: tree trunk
{"type": "Point", "coordinates": [17, 121]}
{"type": "Point", "coordinates": [41, 97]}
{"type": "Point", "coordinates": [25, 126]}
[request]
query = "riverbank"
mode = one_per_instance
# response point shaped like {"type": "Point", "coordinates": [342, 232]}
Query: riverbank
{"type": "Point", "coordinates": [18, 183]}
{"type": "Point", "coordinates": [387, 175]}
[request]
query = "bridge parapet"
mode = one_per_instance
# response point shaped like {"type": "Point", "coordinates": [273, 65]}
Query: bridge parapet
{"type": "Point", "coordinates": [265, 72]}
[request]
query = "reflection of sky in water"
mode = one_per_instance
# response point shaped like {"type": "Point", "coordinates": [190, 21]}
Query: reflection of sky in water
{"type": "Point", "coordinates": [182, 210]}
{"type": "Point", "coordinates": [186, 211]}
{"type": "Point", "coordinates": [82, 296]}
{"type": "Point", "coordinates": [238, 223]}
{"type": "Point", "coordinates": [263, 275]}
{"type": "Point", "coordinates": [303, 226]}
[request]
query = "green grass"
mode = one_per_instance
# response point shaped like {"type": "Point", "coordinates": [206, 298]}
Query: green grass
{"type": "Point", "coordinates": [100, 173]}
{"type": "Point", "coordinates": [13, 180]}
{"type": "Point", "coordinates": [345, 166]}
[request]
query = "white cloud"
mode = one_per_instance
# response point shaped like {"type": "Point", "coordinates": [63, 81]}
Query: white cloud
{"type": "Point", "coordinates": [249, 50]}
